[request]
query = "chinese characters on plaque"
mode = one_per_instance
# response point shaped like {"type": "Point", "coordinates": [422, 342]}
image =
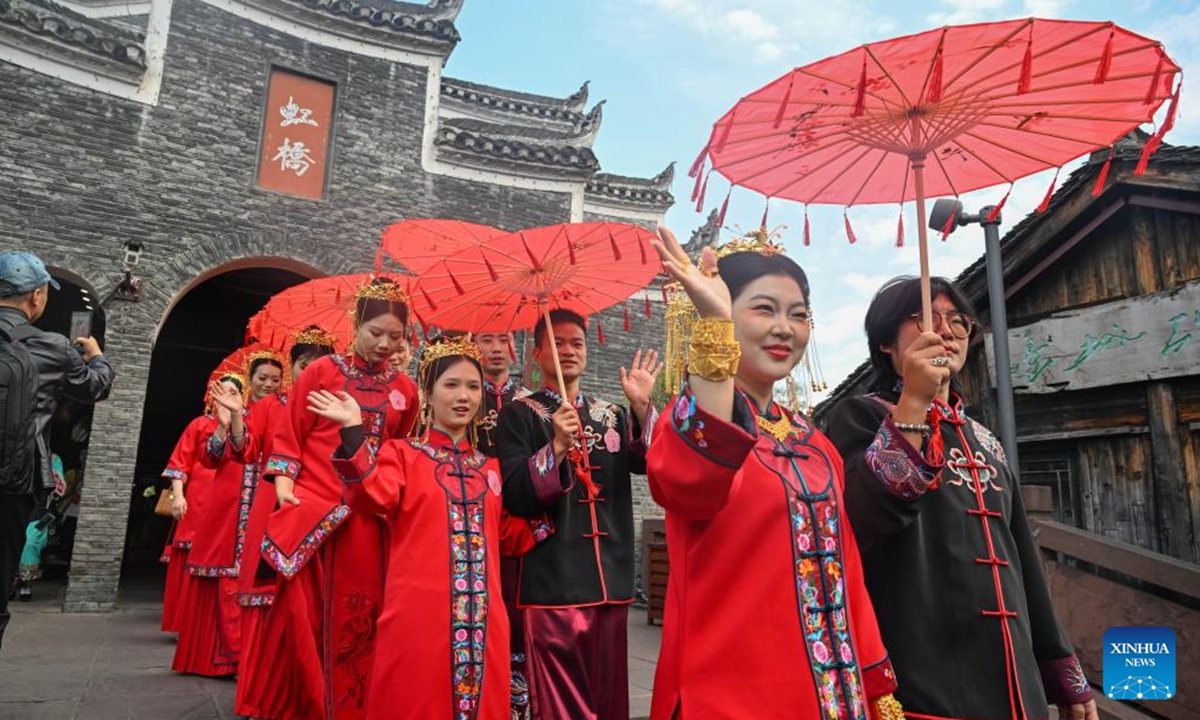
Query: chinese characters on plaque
{"type": "Point", "coordinates": [294, 150]}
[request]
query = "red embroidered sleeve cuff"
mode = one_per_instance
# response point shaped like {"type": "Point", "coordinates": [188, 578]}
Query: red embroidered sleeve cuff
{"type": "Point", "coordinates": [640, 442]}
{"type": "Point", "coordinates": [879, 679]}
{"type": "Point", "coordinates": [551, 479]}
{"type": "Point", "coordinates": [898, 465]}
{"type": "Point", "coordinates": [1064, 681]}
{"type": "Point", "coordinates": [175, 474]}
{"type": "Point", "coordinates": [354, 468]}
{"type": "Point", "coordinates": [288, 467]}
{"type": "Point", "coordinates": [725, 443]}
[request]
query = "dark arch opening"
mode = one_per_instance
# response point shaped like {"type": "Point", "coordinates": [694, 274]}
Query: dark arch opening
{"type": "Point", "coordinates": [206, 324]}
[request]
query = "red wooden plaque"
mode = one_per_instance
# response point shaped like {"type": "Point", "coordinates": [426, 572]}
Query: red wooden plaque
{"type": "Point", "coordinates": [295, 135]}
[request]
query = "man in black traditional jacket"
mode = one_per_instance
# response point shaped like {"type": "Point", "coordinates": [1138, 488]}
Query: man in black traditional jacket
{"type": "Point", "coordinates": [571, 456]}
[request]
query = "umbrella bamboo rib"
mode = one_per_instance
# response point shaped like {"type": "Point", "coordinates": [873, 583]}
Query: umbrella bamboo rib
{"type": "Point", "coordinates": [852, 86]}
{"type": "Point", "coordinates": [888, 74]}
{"type": "Point", "coordinates": [969, 66]}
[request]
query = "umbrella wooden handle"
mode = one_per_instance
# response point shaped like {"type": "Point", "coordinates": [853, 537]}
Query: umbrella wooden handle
{"type": "Point", "coordinates": [918, 167]}
{"type": "Point", "coordinates": [562, 388]}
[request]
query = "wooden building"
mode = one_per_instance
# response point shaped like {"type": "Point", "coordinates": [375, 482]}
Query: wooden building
{"type": "Point", "coordinates": [1103, 298]}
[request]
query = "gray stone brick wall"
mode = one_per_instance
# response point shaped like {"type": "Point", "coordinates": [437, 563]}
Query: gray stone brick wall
{"type": "Point", "coordinates": [82, 172]}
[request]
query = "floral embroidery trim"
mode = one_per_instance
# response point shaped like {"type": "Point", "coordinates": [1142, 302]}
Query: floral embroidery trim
{"type": "Point", "coordinates": [891, 462]}
{"type": "Point", "coordinates": [468, 605]}
{"type": "Point", "coordinates": [442, 454]}
{"type": "Point", "coordinates": [543, 463]}
{"type": "Point", "coordinates": [542, 528]}
{"type": "Point", "coordinates": [256, 599]}
{"type": "Point", "coordinates": [989, 441]}
{"type": "Point", "coordinates": [288, 565]}
{"type": "Point", "coordinates": [175, 474]}
{"type": "Point", "coordinates": [283, 465]}
{"type": "Point", "coordinates": [820, 593]}
{"type": "Point", "coordinates": [245, 501]}
{"type": "Point", "coordinates": [354, 372]}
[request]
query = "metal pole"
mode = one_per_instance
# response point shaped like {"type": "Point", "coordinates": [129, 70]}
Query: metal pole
{"type": "Point", "coordinates": [1004, 391]}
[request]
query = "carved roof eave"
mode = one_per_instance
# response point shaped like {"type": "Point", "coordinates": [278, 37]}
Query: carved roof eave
{"type": "Point", "coordinates": [419, 32]}
{"type": "Point", "coordinates": [619, 190]}
{"type": "Point", "coordinates": [579, 135]}
{"type": "Point", "coordinates": [483, 100]}
{"type": "Point", "coordinates": [514, 157]}
{"type": "Point", "coordinates": [88, 44]}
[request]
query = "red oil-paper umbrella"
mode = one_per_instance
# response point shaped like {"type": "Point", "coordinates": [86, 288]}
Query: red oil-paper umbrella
{"type": "Point", "coordinates": [326, 302]}
{"type": "Point", "coordinates": [942, 112]}
{"type": "Point", "coordinates": [420, 244]}
{"type": "Point", "coordinates": [516, 279]}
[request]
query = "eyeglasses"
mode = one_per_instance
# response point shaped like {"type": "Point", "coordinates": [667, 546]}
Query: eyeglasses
{"type": "Point", "coordinates": [960, 323]}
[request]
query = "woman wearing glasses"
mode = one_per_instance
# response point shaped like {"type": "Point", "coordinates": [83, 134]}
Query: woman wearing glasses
{"type": "Point", "coordinates": [950, 563]}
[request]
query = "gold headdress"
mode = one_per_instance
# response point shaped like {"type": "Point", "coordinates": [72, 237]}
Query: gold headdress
{"type": "Point", "coordinates": [447, 346]}
{"type": "Point", "coordinates": [388, 290]}
{"type": "Point", "coordinates": [257, 355]}
{"type": "Point", "coordinates": [315, 336]}
{"type": "Point", "coordinates": [758, 241]}
{"type": "Point", "coordinates": [681, 318]}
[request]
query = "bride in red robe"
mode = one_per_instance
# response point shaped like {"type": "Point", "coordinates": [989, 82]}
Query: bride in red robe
{"type": "Point", "coordinates": [319, 640]}
{"type": "Point", "coordinates": [443, 633]}
{"type": "Point", "coordinates": [256, 579]}
{"type": "Point", "coordinates": [767, 615]}
{"type": "Point", "coordinates": [189, 480]}
{"type": "Point", "coordinates": [209, 632]}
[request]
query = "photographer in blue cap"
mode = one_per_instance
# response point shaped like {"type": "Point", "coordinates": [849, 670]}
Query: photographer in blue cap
{"type": "Point", "coordinates": [37, 369]}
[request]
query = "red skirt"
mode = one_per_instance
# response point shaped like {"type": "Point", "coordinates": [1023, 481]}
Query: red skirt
{"type": "Point", "coordinates": [206, 645]}
{"type": "Point", "coordinates": [254, 623]}
{"type": "Point", "coordinates": [316, 648]}
{"type": "Point", "coordinates": [173, 589]}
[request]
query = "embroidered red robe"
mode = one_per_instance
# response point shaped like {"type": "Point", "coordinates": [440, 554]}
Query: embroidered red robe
{"type": "Point", "coordinates": [184, 465]}
{"type": "Point", "coordinates": [766, 615]}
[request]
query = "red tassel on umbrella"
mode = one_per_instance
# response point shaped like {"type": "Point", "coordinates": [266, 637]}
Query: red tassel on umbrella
{"type": "Point", "coordinates": [900, 229]}
{"type": "Point", "coordinates": [1026, 66]}
{"type": "Point", "coordinates": [787, 96]}
{"type": "Point", "coordinates": [1105, 60]}
{"type": "Point", "coordinates": [642, 248]}
{"type": "Point", "coordinates": [1103, 176]}
{"type": "Point", "coordinates": [379, 260]}
{"type": "Point", "coordinates": [337, 296]}
{"type": "Point", "coordinates": [860, 98]}
{"type": "Point", "coordinates": [934, 93]}
{"type": "Point", "coordinates": [995, 213]}
{"type": "Point", "coordinates": [458, 288]}
{"type": "Point", "coordinates": [413, 337]}
{"type": "Point", "coordinates": [600, 332]}
{"type": "Point", "coordinates": [491, 270]}
{"type": "Point", "coordinates": [537, 265]}
{"type": "Point", "coordinates": [626, 318]}
{"type": "Point", "coordinates": [703, 191]}
{"type": "Point", "coordinates": [724, 138]}
{"type": "Point", "coordinates": [570, 251]}
{"type": "Point", "coordinates": [647, 299]}
{"type": "Point", "coordinates": [1041, 208]}
{"type": "Point", "coordinates": [766, 210]}
{"type": "Point", "coordinates": [1152, 91]}
{"type": "Point", "coordinates": [949, 226]}
{"type": "Point", "coordinates": [698, 163]}
{"type": "Point", "coordinates": [724, 207]}
{"type": "Point", "coordinates": [246, 340]}
{"type": "Point", "coordinates": [699, 180]}
{"type": "Point", "coordinates": [432, 305]}
{"type": "Point", "coordinates": [849, 230]}
{"type": "Point", "coordinates": [616, 250]}
{"type": "Point", "coordinates": [807, 233]}
{"type": "Point", "coordinates": [1157, 138]}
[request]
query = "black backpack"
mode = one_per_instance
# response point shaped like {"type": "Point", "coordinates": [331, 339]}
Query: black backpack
{"type": "Point", "coordinates": [18, 393]}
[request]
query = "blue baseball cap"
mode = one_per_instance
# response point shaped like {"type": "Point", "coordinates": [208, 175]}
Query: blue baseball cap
{"type": "Point", "coordinates": [21, 272]}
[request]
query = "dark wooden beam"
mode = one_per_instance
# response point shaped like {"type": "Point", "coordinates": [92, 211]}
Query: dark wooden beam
{"type": "Point", "coordinates": [1064, 248]}
{"type": "Point", "coordinates": [1159, 203]}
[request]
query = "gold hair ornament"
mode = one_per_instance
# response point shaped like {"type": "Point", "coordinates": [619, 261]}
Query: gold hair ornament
{"type": "Point", "coordinates": [315, 336]}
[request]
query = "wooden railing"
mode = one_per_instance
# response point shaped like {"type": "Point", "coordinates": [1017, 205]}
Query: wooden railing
{"type": "Point", "coordinates": [1125, 586]}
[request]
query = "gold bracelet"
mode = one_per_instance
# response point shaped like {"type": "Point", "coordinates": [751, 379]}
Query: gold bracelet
{"type": "Point", "coordinates": [713, 353]}
{"type": "Point", "coordinates": [887, 707]}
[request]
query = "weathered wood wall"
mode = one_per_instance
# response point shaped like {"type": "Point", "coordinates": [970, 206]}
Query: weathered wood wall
{"type": "Point", "coordinates": [1131, 451]}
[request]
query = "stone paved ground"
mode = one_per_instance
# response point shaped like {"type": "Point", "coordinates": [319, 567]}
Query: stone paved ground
{"type": "Point", "coordinates": [116, 666]}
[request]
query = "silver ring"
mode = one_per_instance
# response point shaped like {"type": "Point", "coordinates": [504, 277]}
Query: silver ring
{"type": "Point", "coordinates": [939, 361]}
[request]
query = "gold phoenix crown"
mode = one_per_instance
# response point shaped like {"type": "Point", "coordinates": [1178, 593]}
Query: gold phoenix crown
{"type": "Point", "coordinates": [261, 355]}
{"type": "Point", "coordinates": [315, 336]}
{"type": "Point", "coordinates": [388, 290]}
{"type": "Point", "coordinates": [448, 347]}
{"type": "Point", "coordinates": [757, 241]}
